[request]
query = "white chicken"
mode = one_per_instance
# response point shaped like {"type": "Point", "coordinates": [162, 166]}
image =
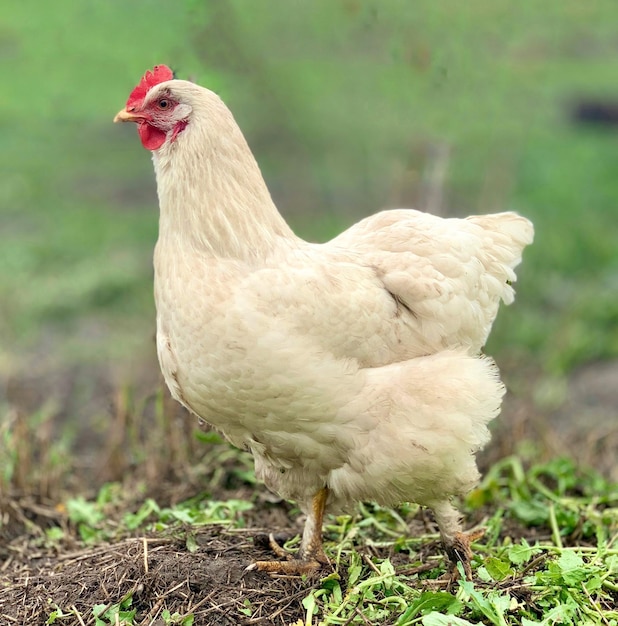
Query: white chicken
{"type": "Point", "coordinates": [352, 369]}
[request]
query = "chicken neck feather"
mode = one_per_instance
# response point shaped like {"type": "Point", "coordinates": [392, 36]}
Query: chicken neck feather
{"type": "Point", "coordinates": [212, 194]}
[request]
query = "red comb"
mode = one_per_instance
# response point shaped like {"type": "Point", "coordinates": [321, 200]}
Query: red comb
{"type": "Point", "coordinates": [159, 74]}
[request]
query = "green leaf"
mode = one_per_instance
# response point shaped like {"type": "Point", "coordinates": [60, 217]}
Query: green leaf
{"type": "Point", "coordinates": [530, 512]}
{"type": "Point", "coordinates": [115, 613]}
{"type": "Point", "coordinates": [386, 568]}
{"type": "Point", "coordinates": [493, 606]}
{"type": "Point", "coordinates": [562, 614]}
{"type": "Point", "coordinates": [209, 436]}
{"type": "Point", "coordinates": [438, 619]}
{"type": "Point", "coordinates": [87, 533]}
{"type": "Point", "coordinates": [55, 533]}
{"type": "Point", "coordinates": [107, 494]}
{"type": "Point", "coordinates": [497, 568]}
{"type": "Point", "coordinates": [354, 570]}
{"type": "Point", "coordinates": [483, 574]}
{"type": "Point", "coordinates": [54, 615]}
{"type": "Point", "coordinates": [181, 515]}
{"type": "Point", "coordinates": [191, 543]}
{"type": "Point", "coordinates": [522, 552]}
{"type": "Point", "coordinates": [593, 584]}
{"type": "Point", "coordinates": [309, 604]}
{"type": "Point", "coordinates": [82, 511]}
{"type": "Point", "coordinates": [127, 601]}
{"type": "Point", "coordinates": [433, 601]}
{"type": "Point", "coordinates": [127, 616]}
{"type": "Point", "coordinates": [135, 520]}
{"type": "Point", "coordinates": [571, 567]}
{"type": "Point", "coordinates": [331, 583]}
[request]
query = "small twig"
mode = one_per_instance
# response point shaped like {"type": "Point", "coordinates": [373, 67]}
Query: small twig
{"type": "Point", "coordinates": [78, 614]}
{"type": "Point", "coordinates": [154, 611]}
{"type": "Point", "coordinates": [595, 605]}
{"type": "Point", "coordinates": [290, 599]}
{"type": "Point", "coordinates": [6, 564]}
{"type": "Point", "coordinates": [359, 612]}
{"type": "Point", "coordinates": [532, 564]}
{"type": "Point", "coordinates": [169, 591]}
{"type": "Point", "coordinates": [87, 553]}
{"type": "Point", "coordinates": [145, 545]}
{"type": "Point", "coordinates": [371, 564]}
{"type": "Point", "coordinates": [202, 601]}
{"type": "Point", "coordinates": [218, 607]}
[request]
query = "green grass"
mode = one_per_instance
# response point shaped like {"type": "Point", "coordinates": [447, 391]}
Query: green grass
{"type": "Point", "coordinates": [549, 554]}
{"type": "Point", "coordinates": [340, 100]}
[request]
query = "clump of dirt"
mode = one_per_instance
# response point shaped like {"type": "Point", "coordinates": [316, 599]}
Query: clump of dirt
{"type": "Point", "coordinates": [158, 574]}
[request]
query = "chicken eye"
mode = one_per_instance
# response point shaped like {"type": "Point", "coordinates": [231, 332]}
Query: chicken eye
{"type": "Point", "coordinates": [163, 103]}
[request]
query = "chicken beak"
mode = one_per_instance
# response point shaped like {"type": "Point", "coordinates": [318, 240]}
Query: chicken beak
{"type": "Point", "coordinates": [126, 116]}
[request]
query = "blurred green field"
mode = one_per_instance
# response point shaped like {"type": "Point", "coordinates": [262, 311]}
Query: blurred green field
{"type": "Point", "coordinates": [346, 104]}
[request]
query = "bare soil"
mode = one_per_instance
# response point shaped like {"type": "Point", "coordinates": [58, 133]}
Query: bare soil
{"type": "Point", "coordinates": [161, 573]}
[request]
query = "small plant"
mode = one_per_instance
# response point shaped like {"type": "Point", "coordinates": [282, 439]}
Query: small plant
{"type": "Point", "coordinates": [176, 619]}
{"type": "Point", "coordinates": [120, 614]}
{"type": "Point", "coordinates": [568, 576]}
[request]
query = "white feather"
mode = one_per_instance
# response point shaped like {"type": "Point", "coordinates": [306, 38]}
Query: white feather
{"type": "Point", "coordinates": [353, 364]}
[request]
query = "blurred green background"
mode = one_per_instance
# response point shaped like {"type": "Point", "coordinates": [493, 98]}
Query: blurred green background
{"type": "Point", "coordinates": [350, 106]}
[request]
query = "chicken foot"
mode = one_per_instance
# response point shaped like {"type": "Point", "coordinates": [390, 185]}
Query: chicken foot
{"type": "Point", "coordinates": [456, 543]}
{"type": "Point", "coordinates": [311, 556]}
{"type": "Point", "coordinates": [459, 551]}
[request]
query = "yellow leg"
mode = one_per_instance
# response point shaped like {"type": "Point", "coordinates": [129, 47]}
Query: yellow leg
{"type": "Point", "coordinates": [311, 556]}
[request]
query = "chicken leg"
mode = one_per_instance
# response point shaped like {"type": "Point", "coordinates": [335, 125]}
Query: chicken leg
{"type": "Point", "coordinates": [311, 556]}
{"type": "Point", "coordinates": [456, 543]}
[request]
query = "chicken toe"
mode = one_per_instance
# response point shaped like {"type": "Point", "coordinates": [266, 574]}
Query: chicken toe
{"type": "Point", "coordinates": [459, 551]}
{"type": "Point", "coordinates": [311, 556]}
{"type": "Point", "coordinates": [291, 567]}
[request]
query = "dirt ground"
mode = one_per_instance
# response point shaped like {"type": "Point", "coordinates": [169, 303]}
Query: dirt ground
{"type": "Point", "coordinates": [161, 573]}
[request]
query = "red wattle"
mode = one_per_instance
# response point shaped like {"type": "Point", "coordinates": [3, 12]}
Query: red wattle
{"type": "Point", "coordinates": [152, 137]}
